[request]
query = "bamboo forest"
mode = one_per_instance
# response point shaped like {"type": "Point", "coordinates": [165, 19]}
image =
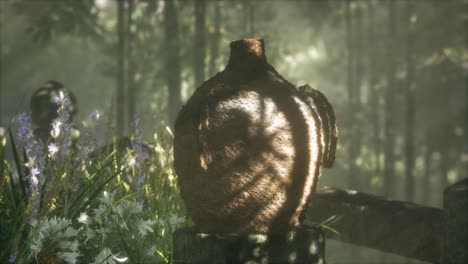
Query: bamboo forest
{"type": "Point", "coordinates": [234, 131]}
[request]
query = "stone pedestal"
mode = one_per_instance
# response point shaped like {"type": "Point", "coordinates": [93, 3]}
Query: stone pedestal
{"type": "Point", "coordinates": [303, 245]}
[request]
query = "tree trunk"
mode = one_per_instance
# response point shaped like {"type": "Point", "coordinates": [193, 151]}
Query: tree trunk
{"type": "Point", "coordinates": [389, 133]}
{"type": "Point", "coordinates": [131, 86]}
{"type": "Point", "coordinates": [120, 94]}
{"type": "Point", "coordinates": [2, 7]}
{"type": "Point", "coordinates": [350, 82]}
{"type": "Point", "coordinates": [358, 63]}
{"type": "Point", "coordinates": [358, 69]}
{"type": "Point", "coordinates": [215, 38]}
{"type": "Point", "coordinates": [172, 60]}
{"type": "Point", "coordinates": [374, 93]}
{"type": "Point", "coordinates": [409, 127]}
{"type": "Point", "coordinates": [426, 186]}
{"type": "Point", "coordinates": [444, 164]}
{"type": "Point", "coordinates": [251, 11]}
{"type": "Point", "coordinates": [248, 18]}
{"type": "Point", "coordinates": [358, 120]}
{"type": "Point", "coordinates": [466, 93]}
{"type": "Point", "coordinates": [200, 42]}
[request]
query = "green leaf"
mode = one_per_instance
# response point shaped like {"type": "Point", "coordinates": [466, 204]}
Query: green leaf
{"type": "Point", "coordinates": [144, 226]}
{"type": "Point", "coordinates": [20, 197]}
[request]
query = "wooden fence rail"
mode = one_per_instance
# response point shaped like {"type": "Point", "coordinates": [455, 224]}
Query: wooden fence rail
{"type": "Point", "coordinates": [403, 228]}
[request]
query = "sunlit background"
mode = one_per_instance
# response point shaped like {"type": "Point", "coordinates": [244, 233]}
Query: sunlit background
{"type": "Point", "coordinates": [394, 71]}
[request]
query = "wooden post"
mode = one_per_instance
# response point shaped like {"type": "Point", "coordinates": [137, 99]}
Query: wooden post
{"type": "Point", "coordinates": [304, 245]}
{"type": "Point", "coordinates": [455, 249]}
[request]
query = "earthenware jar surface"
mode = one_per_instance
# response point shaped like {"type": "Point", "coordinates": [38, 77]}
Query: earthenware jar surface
{"type": "Point", "coordinates": [246, 148]}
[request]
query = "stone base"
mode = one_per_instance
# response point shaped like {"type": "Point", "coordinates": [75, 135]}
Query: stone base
{"type": "Point", "coordinates": [304, 245]}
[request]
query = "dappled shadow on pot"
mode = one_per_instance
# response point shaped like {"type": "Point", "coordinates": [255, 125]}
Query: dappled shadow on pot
{"type": "Point", "coordinates": [247, 149]}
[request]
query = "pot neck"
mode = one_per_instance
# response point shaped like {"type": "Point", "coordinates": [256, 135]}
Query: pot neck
{"type": "Point", "coordinates": [247, 55]}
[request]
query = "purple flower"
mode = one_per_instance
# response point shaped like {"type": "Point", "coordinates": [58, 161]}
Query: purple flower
{"type": "Point", "coordinates": [25, 130]}
{"type": "Point", "coordinates": [140, 157]}
{"type": "Point", "coordinates": [36, 163]}
{"type": "Point", "coordinates": [24, 118]}
{"type": "Point", "coordinates": [34, 151]}
{"type": "Point", "coordinates": [61, 125]}
{"type": "Point", "coordinates": [88, 137]}
{"type": "Point", "coordinates": [63, 99]}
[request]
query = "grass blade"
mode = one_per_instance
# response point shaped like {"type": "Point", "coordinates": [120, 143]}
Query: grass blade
{"type": "Point", "coordinates": [20, 197]}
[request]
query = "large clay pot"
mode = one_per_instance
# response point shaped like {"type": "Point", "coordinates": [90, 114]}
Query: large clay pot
{"type": "Point", "coordinates": [247, 148]}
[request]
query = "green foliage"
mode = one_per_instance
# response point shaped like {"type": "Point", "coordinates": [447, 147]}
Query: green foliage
{"type": "Point", "coordinates": [54, 18]}
{"type": "Point", "coordinates": [120, 227]}
{"type": "Point", "coordinates": [56, 238]}
{"type": "Point", "coordinates": [86, 208]}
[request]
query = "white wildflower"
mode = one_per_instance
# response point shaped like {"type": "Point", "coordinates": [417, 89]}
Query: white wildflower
{"type": "Point", "coordinates": [56, 128]}
{"type": "Point", "coordinates": [95, 116]}
{"type": "Point", "coordinates": [84, 218]}
{"type": "Point", "coordinates": [53, 150]}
